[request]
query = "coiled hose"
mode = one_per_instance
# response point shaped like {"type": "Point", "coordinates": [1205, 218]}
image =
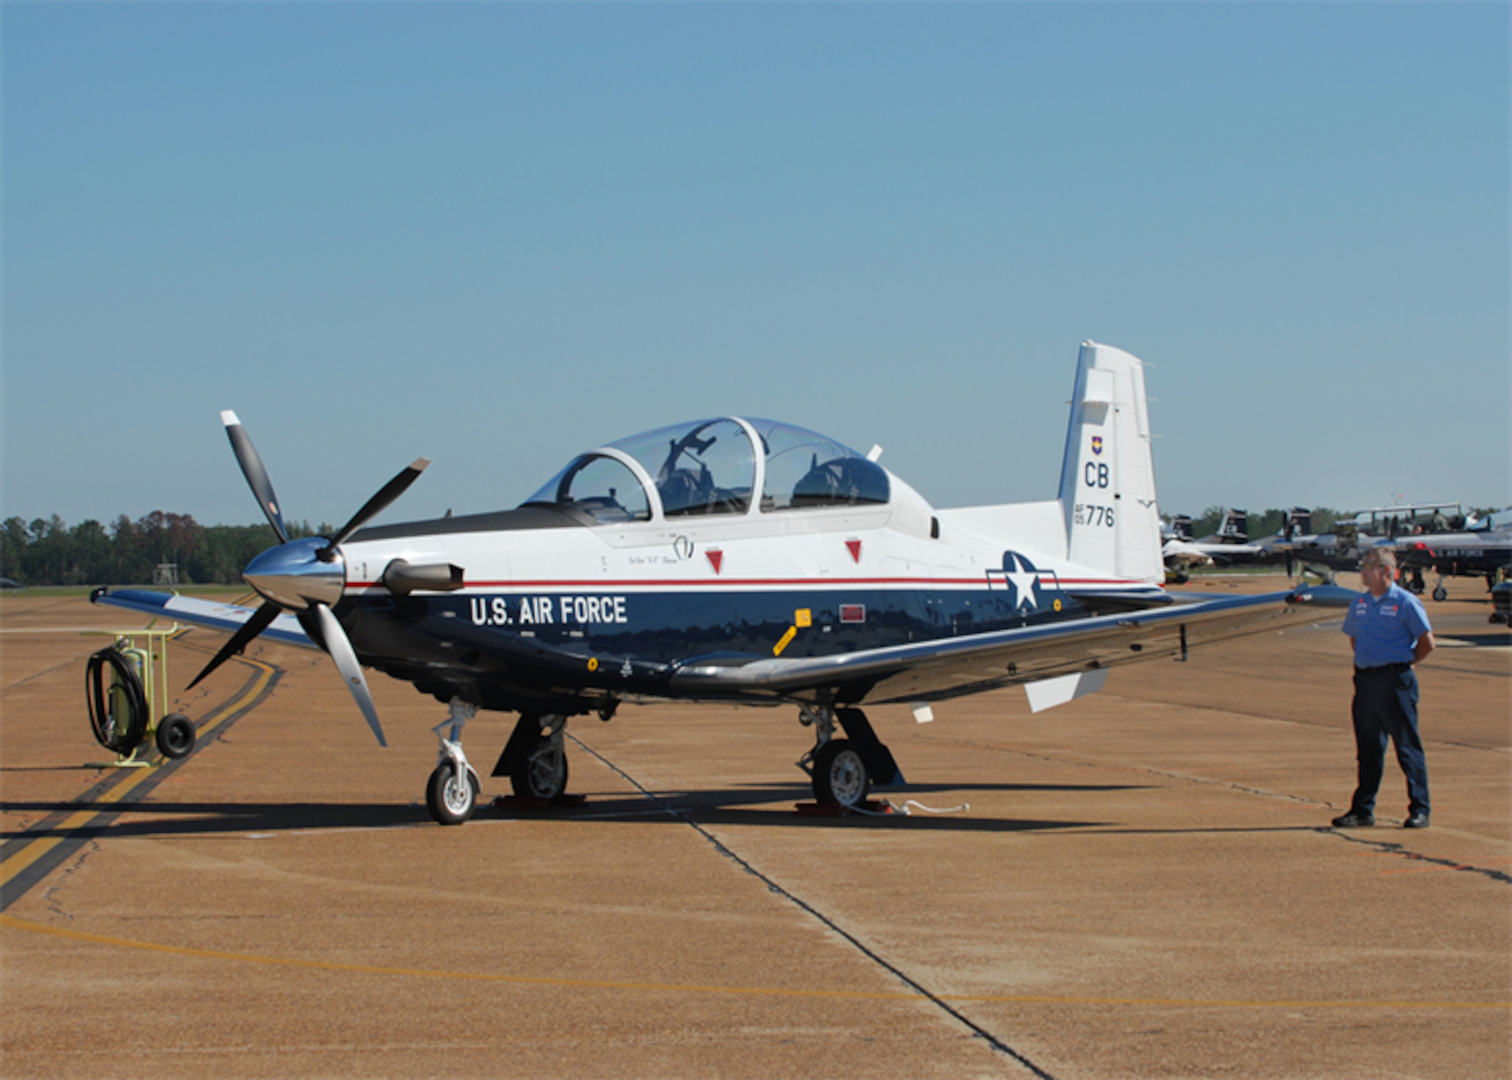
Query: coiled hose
{"type": "Point", "coordinates": [117, 712]}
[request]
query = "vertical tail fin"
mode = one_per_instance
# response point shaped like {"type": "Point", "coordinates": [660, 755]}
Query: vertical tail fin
{"type": "Point", "coordinates": [1107, 487]}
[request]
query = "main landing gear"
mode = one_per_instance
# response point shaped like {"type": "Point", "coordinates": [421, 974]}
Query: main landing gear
{"type": "Point", "coordinates": [535, 758]}
{"type": "Point", "coordinates": [843, 770]}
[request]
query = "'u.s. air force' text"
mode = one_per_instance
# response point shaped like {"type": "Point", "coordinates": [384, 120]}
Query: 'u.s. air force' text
{"type": "Point", "coordinates": [534, 610]}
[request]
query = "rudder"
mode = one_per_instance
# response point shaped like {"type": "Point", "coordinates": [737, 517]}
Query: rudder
{"type": "Point", "coordinates": [1107, 488]}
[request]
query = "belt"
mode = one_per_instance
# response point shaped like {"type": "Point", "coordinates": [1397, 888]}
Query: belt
{"type": "Point", "coordinates": [1405, 665]}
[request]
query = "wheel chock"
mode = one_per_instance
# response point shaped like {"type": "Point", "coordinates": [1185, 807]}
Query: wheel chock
{"type": "Point", "coordinates": [818, 809]}
{"type": "Point", "coordinates": [534, 802]}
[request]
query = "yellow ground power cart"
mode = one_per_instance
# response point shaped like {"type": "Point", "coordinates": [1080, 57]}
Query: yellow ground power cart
{"type": "Point", "coordinates": [126, 708]}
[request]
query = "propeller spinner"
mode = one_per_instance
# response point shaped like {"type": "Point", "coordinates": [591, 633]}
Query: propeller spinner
{"type": "Point", "coordinates": [305, 576]}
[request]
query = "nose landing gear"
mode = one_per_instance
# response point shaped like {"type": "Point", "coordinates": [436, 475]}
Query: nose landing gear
{"type": "Point", "coordinates": [451, 794]}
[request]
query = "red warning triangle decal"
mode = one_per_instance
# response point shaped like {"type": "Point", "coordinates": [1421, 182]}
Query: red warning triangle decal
{"type": "Point", "coordinates": [716, 558]}
{"type": "Point", "coordinates": [855, 549]}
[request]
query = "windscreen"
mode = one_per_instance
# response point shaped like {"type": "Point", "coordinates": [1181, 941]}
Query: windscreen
{"type": "Point", "coordinates": [599, 486]}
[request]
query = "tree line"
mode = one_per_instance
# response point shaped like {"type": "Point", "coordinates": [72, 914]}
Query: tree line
{"type": "Point", "coordinates": [1263, 525]}
{"type": "Point", "coordinates": [49, 552]}
{"type": "Point", "coordinates": [126, 552]}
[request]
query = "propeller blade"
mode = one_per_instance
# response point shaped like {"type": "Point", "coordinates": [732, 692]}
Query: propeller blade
{"type": "Point", "coordinates": [335, 642]}
{"type": "Point", "coordinates": [379, 502]}
{"type": "Point", "coordinates": [257, 476]}
{"type": "Point", "coordinates": [241, 639]}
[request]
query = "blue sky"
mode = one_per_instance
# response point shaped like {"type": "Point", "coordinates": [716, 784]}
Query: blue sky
{"type": "Point", "coordinates": [498, 234]}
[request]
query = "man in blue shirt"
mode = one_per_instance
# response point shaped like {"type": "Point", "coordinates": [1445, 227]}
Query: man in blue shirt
{"type": "Point", "coordinates": [1389, 631]}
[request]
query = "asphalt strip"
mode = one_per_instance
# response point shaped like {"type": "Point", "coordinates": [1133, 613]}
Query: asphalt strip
{"type": "Point", "coordinates": [27, 859]}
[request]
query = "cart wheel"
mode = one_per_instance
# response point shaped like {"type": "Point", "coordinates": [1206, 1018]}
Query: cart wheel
{"type": "Point", "coordinates": [175, 736]}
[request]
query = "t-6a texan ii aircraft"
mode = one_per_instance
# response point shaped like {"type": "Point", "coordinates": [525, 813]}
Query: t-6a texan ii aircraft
{"type": "Point", "coordinates": [737, 560]}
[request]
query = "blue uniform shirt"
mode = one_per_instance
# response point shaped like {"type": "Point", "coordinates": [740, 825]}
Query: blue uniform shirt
{"type": "Point", "coordinates": [1385, 630]}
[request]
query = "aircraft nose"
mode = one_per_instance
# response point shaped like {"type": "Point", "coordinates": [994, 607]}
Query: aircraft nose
{"type": "Point", "coordinates": [299, 574]}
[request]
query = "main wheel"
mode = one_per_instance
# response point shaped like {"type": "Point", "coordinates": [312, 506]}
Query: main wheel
{"type": "Point", "coordinates": [451, 801]}
{"type": "Point", "coordinates": [175, 736]}
{"type": "Point", "coordinates": [540, 774]}
{"type": "Point", "coordinates": [840, 774]}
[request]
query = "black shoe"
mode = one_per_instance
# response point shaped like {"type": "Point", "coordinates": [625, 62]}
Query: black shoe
{"type": "Point", "coordinates": [1418, 820]}
{"type": "Point", "coordinates": [1353, 820]}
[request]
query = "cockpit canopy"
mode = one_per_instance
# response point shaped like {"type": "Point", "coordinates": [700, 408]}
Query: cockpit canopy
{"type": "Point", "coordinates": [712, 467]}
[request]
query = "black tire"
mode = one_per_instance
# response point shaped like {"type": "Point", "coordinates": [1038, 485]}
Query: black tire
{"type": "Point", "coordinates": [175, 736]}
{"type": "Point", "coordinates": [449, 802]}
{"type": "Point", "coordinates": [1440, 594]}
{"type": "Point", "coordinates": [840, 775]}
{"type": "Point", "coordinates": [536, 776]}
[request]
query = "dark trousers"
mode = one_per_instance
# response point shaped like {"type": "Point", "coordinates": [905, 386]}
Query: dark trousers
{"type": "Point", "coordinates": [1385, 706]}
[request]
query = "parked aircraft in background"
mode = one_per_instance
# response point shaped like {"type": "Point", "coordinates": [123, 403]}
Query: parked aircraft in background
{"type": "Point", "coordinates": [1324, 554]}
{"type": "Point", "coordinates": [738, 560]}
{"type": "Point", "coordinates": [1406, 518]}
{"type": "Point", "coordinates": [1501, 603]}
{"type": "Point", "coordinates": [1484, 551]}
{"type": "Point", "coordinates": [1229, 546]}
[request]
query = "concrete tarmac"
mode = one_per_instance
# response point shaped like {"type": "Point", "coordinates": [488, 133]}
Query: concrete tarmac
{"type": "Point", "coordinates": [1142, 883]}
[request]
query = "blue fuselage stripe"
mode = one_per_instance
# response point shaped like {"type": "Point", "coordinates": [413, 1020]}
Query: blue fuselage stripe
{"type": "Point", "coordinates": [665, 626]}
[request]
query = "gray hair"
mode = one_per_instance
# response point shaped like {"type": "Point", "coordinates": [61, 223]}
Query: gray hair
{"type": "Point", "coordinates": [1384, 555]}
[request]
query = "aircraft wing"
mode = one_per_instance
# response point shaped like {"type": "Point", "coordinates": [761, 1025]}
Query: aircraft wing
{"type": "Point", "coordinates": [939, 669]}
{"type": "Point", "coordinates": [211, 614]}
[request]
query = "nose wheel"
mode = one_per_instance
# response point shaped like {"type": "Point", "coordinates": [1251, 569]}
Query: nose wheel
{"type": "Point", "coordinates": [451, 800]}
{"type": "Point", "coordinates": [451, 794]}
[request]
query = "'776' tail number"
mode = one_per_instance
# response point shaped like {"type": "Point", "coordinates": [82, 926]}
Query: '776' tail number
{"type": "Point", "coordinates": [1090, 514]}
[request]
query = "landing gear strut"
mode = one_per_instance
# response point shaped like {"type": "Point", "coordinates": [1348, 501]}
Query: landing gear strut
{"type": "Point", "coordinates": [843, 770]}
{"type": "Point", "coordinates": [452, 792]}
{"type": "Point", "coordinates": [535, 758]}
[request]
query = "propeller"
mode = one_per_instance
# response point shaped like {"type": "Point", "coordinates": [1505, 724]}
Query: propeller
{"type": "Point", "coordinates": [305, 576]}
{"type": "Point", "coordinates": [248, 630]}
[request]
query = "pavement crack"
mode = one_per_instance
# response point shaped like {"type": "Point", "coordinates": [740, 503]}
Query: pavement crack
{"type": "Point", "coordinates": [828, 922]}
{"type": "Point", "coordinates": [50, 897]}
{"type": "Point", "coordinates": [1388, 848]}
